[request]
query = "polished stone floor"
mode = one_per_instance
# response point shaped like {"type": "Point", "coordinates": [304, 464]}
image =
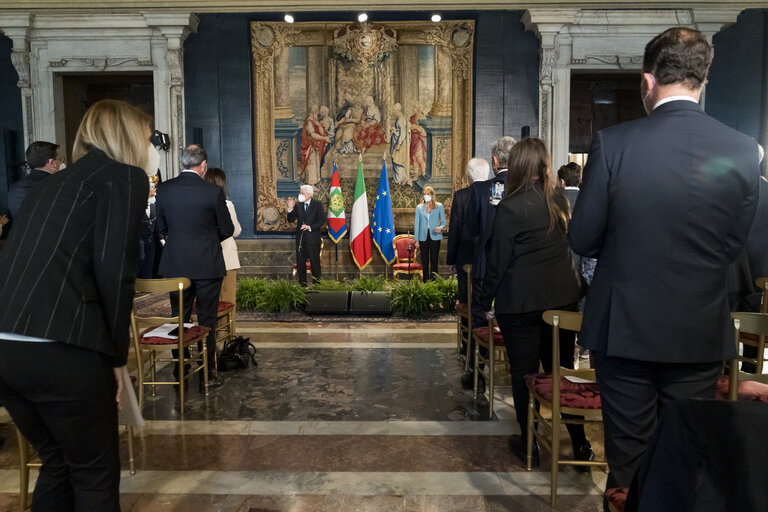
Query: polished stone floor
{"type": "Point", "coordinates": [352, 416]}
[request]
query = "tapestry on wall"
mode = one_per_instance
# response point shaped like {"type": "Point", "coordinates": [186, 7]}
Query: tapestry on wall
{"type": "Point", "coordinates": [335, 93]}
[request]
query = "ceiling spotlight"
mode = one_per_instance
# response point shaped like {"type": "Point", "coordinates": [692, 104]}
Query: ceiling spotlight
{"type": "Point", "coordinates": [288, 18]}
{"type": "Point", "coordinates": [436, 18]}
{"type": "Point", "coordinates": [362, 17]}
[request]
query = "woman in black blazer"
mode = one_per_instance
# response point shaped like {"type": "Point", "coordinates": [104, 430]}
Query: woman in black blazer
{"type": "Point", "coordinates": [529, 271]}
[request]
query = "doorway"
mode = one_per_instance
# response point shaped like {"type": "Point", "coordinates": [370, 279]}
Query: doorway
{"type": "Point", "coordinates": [80, 91]}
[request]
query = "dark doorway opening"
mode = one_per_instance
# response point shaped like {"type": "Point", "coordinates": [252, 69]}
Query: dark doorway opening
{"type": "Point", "coordinates": [600, 100]}
{"type": "Point", "coordinates": [80, 91]}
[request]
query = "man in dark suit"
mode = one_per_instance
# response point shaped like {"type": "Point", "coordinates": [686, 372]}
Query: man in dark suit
{"type": "Point", "coordinates": [666, 205]}
{"type": "Point", "coordinates": [310, 219]}
{"type": "Point", "coordinates": [44, 159]}
{"type": "Point", "coordinates": [569, 179]}
{"type": "Point", "coordinates": [193, 217]}
{"type": "Point", "coordinates": [480, 221]}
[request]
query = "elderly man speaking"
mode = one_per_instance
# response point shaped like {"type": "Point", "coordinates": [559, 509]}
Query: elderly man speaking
{"type": "Point", "coordinates": [311, 218]}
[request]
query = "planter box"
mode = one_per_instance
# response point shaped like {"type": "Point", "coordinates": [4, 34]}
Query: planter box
{"type": "Point", "coordinates": [376, 303]}
{"type": "Point", "coordinates": [327, 302]}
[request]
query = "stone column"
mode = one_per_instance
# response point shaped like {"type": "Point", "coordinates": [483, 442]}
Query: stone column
{"type": "Point", "coordinates": [282, 85]}
{"type": "Point", "coordinates": [314, 77]}
{"type": "Point", "coordinates": [408, 59]}
{"type": "Point", "coordinates": [443, 81]}
{"type": "Point", "coordinates": [16, 27]}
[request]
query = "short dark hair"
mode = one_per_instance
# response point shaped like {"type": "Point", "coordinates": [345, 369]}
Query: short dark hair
{"type": "Point", "coordinates": [216, 176]}
{"type": "Point", "coordinates": [39, 152]}
{"type": "Point", "coordinates": [192, 156]}
{"type": "Point", "coordinates": [570, 173]}
{"type": "Point", "coordinates": [678, 55]}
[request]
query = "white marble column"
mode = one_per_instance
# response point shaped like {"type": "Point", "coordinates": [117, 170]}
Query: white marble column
{"type": "Point", "coordinates": [16, 28]}
{"type": "Point", "coordinates": [408, 60]}
{"type": "Point", "coordinates": [315, 77]}
{"type": "Point", "coordinates": [443, 82]}
{"type": "Point", "coordinates": [282, 85]}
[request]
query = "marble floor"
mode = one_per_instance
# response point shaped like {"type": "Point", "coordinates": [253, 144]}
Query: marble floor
{"type": "Point", "coordinates": [355, 416]}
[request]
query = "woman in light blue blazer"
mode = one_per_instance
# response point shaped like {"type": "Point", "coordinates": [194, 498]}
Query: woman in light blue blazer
{"type": "Point", "coordinates": [428, 231]}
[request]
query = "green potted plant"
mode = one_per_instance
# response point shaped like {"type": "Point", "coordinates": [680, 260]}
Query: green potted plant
{"type": "Point", "coordinates": [328, 296]}
{"type": "Point", "coordinates": [369, 295]}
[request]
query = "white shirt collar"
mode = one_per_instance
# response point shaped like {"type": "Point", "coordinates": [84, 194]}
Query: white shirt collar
{"type": "Point", "coordinates": [193, 172]}
{"type": "Point", "coordinates": [675, 98]}
{"type": "Point", "coordinates": [572, 188]}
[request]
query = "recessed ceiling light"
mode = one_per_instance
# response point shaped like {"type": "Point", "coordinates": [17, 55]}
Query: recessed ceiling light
{"type": "Point", "coordinates": [436, 18]}
{"type": "Point", "coordinates": [362, 17]}
{"type": "Point", "coordinates": [288, 18]}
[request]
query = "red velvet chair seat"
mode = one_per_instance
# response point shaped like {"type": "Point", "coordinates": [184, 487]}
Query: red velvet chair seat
{"type": "Point", "coordinates": [309, 266]}
{"type": "Point", "coordinates": [616, 498]}
{"type": "Point", "coordinates": [572, 394]}
{"type": "Point", "coordinates": [462, 309]}
{"type": "Point", "coordinates": [749, 391]}
{"type": "Point", "coordinates": [404, 266]}
{"type": "Point", "coordinates": [190, 334]}
{"type": "Point", "coordinates": [482, 333]}
{"type": "Point", "coordinates": [223, 306]}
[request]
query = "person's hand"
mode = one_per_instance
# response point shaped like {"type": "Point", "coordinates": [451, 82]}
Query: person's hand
{"type": "Point", "coordinates": [490, 314]}
{"type": "Point", "coordinates": [119, 379]}
{"type": "Point", "coordinates": [290, 202]}
{"type": "Point", "coordinates": [416, 244]}
{"type": "Point", "coordinates": [439, 229]}
{"type": "Point", "coordinates": [4, 220]}
{"type": "Point", "coordinates": [304, 227]}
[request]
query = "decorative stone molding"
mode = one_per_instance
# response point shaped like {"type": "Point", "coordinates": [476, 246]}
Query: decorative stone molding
{"type": "Point", "coordinates": [98, 63]}
{"type": "Point", "coordinates": [20, 60]}
{"type": "Point", "coordinates": [599, 39]}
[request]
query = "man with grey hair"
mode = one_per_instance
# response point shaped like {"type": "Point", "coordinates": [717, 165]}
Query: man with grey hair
{"type": "Point", "coordinates": [311, 219]}
{"type": "Point", "coordinates": [461, 243]}
{"type": "Point", "coordinates": [193, 218]}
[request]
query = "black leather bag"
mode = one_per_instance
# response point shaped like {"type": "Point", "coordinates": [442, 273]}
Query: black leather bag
{"type": "Point", "coordinates": [237, 354]}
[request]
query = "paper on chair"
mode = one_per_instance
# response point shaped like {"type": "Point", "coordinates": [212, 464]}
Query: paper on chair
{"type": "Point", "coordinates": [163, 330]}
{"type": "Point", "coordinates": [579, 380]}
{"type": "Point", "coordinates": [129, 413]}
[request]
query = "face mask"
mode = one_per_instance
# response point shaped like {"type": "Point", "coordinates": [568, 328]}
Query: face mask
{"type": "Point", "coordinates": [302, 198]}
{"type": "Point", "coordinates": [62, 166]}
{"type": "Point", "coordinates": [427, 198]}
{"type": "Point", "coordinates": [153, 161]}
{"type": "Point", "coordinates": [151, 200]}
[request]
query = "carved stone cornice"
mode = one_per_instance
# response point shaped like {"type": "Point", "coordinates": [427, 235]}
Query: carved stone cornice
{"type": "Point", "coordinates": [100, 63]}
{"type": "Point", "coordinates": [20, 60]}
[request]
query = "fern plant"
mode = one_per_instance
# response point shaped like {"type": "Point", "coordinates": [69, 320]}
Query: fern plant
{"type": "Point", "coordinates": [329, 285]}
{"type": "Point", "coordinates": [280, 296]}
{"type": "Point", "coordinates": [372, 283]}
{"type": "Point", "coordinates": [449, 291]}
{"type": "Point", "coordinates": [413, 298]}
{"type": "Point", "coordinates": [249, 289]}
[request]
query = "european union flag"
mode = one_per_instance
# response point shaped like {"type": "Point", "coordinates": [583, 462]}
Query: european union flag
{"type": "Point", "coordinates": [383, 227]}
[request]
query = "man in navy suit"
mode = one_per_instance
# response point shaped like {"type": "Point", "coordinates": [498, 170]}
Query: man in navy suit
{"type": "Point", "coordinates": [193, 217]}
{"type": "Point", "coordinates": [310, 219]}
{"type": "Point", "coordinates": [666, 205]}
{"type": "Point", "coordinates": [44, 159]}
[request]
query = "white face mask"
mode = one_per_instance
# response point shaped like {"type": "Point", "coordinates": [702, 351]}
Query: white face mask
{"type": "Point", "coordinates": [153, 161]}
{"type": "Point", "coordinates": [62, 166]}
{"type": "Point", "coordinates": [302, 198]}
{"type": "Point", "coordinates": [427, 198]}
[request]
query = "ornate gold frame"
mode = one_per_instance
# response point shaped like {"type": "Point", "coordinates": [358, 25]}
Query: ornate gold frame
{"type": "Point", "coordinates": [269, 38]}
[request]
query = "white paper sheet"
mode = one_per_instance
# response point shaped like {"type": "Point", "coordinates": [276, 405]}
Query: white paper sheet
{"type": "Point", "coordinates": [163, 330]}
{"type": "Point", "coordinates": [578, 380]}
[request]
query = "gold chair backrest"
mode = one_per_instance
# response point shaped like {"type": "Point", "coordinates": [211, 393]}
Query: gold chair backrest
{"type": "Point", "coordinates": [762, 283]}
{"type": "Point", "coordinates": [172, 284]}
{"type": "Point", "coordinates": [570, 321]}
{"type": "Point", "coordinates": [750, 323]}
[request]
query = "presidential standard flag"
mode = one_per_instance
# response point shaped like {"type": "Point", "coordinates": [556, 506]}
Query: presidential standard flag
{"type": "Point", "coordinates": [383, 222]}
{"type": "Point", "coordinates": [337, 221]}
{"type": "Point", "coordinates": [360, 232]}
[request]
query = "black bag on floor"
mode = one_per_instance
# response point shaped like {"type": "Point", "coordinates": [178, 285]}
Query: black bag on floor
{"type": "Point", "coordinates": [237, 354]}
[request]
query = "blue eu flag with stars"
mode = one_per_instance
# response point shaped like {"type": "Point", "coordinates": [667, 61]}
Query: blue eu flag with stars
{"type": "Point", "coordinates": [383, 227]}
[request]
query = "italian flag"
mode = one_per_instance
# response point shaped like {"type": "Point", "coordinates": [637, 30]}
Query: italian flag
{"type": "Point", "coordinates": [360, 225]}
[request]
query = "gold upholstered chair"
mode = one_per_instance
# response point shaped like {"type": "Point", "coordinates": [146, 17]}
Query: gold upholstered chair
{"type": "Point", "coordinates": [491, 339]}
{"type": "Point", "coordinates": [559, 393]}
{"type": "Point", "coordinates": [405, 257]}
{"type": "Point", "coordinates": [742, 386]}
{"type": "Point", "coordinates": [147, 347]}
{"type": "Point", "coordinates": [464, 318]}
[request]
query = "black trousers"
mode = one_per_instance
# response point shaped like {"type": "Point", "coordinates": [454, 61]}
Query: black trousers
{"type": "Point", "coordinates": [62, 398]}
{"type": "Point", "coordinates": [304, 252]}
{"type": "Point", "coordinates": [206, 293]}
{"type": "Point", "coordinates": [429, 250]}
{"type": "Point", "coordinates": [633, 394]}
{"type": "Point", "coordinates": [528, 340]}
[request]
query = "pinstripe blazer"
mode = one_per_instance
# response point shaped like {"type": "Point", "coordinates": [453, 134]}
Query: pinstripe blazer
{"type": "Point", "coordinates": [68, 268]}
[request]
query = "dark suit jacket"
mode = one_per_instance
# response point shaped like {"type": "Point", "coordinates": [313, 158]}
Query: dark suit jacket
{"type": "Point", "coordinates": [666, 205]}
{"type": "Point", "coordinates": [461, 243]}
{"type": "Point", "coordinates": [314, 217]}
{"type": "Point", "coordinates": [68, 265]}
{"type": "Point", "coordinates": [21, 189]}
{"type": "Point", "coordinates": [192, 214]}
{"type": "Point", "coordinates": [757, 246]}
{"type": "Point", "coordinates": [529, 266]}
{"type": "Point", "coordinates": [480, 220]}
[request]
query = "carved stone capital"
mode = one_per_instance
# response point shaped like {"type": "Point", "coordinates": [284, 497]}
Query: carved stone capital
{"type": "Point", "coordinates": [549, 57]}
{"type": "Point", "coordinates": [175, 66]}
{"type": "Point", "coordinates": [20, 60]}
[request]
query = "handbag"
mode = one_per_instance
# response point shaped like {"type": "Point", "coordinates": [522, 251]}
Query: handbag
{"type": "Point", "coordinates": [238, 353]}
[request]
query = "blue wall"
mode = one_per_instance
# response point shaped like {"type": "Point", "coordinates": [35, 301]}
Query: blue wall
{"type": "Point", "coordinates": [218, 89]}
{"type": "Point", "coordinates": [10, 115]}
{"type": "Point", "coordinates": [736, 93]}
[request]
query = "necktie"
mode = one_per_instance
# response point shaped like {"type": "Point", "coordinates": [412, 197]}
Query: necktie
{"type": "Point", "coordinates": [306, 206]}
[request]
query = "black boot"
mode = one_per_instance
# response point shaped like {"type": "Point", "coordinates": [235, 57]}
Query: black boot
{"type": "Point", "coordinates": [583, 451]}
{"type": "Point", "coordinates": [517, 446]}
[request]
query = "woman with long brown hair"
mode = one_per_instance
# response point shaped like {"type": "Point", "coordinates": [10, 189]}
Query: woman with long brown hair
{"type": "Point", "coordinates": [530, 271]}
{"type": "Point", "coordinates": [228, 246]}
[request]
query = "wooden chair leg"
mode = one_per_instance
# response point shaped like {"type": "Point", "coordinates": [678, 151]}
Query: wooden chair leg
{"type": "Point", "coordinates": [529, 429]}
{"type": "Point", "coordinates": [24, 455]}
{"type": "Point", "coordinates": [182, 363]}
{"type": "Point", "coordinates": [205, 366]}
{"type": "Point", "coordinates": [555, 456]}
{"type": "Point", "coordinates": [491, 359]}
{"type": "Point", "coordinates": [477, 368]}
{"type": "Point", "coordinates": [131, 456]}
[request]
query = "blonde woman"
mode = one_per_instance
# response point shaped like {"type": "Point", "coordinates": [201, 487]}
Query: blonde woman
{"type": "Point", "coordinates": [228, 247]}
{"type": "Point", "coordinates": [428, 231]}
{"type": "Point", "coordinates": [67, 293]}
